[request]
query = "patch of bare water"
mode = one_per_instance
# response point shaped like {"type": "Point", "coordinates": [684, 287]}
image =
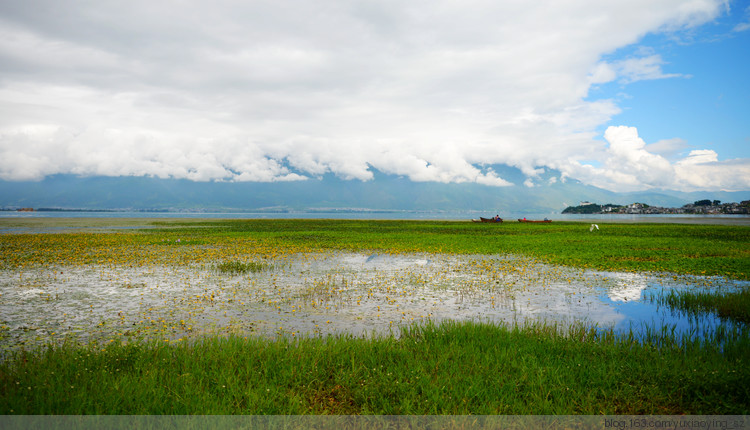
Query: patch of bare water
{"type": "Point", "coordinates": [318, 294]}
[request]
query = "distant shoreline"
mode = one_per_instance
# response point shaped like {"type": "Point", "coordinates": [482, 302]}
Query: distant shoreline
{"type": "Point", "coordinates": [701, 207]}
{"type": "Point", "coordinates": [12, 221]}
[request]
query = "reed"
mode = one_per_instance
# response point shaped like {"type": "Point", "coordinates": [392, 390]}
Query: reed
{"type": "Point", "coordinates": [733, 305]}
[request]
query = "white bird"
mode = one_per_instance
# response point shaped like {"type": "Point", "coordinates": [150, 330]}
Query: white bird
{"type": "Point", "coordinates": [593, 226]}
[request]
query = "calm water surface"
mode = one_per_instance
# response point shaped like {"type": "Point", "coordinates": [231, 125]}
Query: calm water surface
{"type": "Point", "coordinates": [332, 293]}
{"type": "Point", "coordinates": [391, 215]}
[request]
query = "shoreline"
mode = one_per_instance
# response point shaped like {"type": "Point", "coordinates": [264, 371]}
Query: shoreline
{"type": "Point", "coordinates": [89, 223]}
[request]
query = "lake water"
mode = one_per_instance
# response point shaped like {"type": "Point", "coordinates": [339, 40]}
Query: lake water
{"type": "Point", "coordinates": [390, 215]}
{"type": "Point", "coordinates": [334, 293]}
{"type": "Point", "coordinates": [331, 293]}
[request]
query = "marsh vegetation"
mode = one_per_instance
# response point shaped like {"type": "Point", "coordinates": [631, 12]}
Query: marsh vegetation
{"type": "Point", "coordinates": [297, 317]}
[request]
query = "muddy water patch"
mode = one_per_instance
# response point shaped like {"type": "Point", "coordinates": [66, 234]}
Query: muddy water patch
{"type": "Point", "coordinates": [320, 294]}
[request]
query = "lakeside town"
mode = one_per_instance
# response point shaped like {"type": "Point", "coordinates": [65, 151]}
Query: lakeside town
{"type": "Point", "coordinates": [700, 207]}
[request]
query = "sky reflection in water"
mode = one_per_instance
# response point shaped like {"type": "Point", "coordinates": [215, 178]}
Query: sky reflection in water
{"type": "Point", "coordinates": [320, 294]}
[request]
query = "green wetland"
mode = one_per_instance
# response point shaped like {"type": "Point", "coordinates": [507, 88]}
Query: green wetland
{"type": "Point", "coordinates": [372, 317]}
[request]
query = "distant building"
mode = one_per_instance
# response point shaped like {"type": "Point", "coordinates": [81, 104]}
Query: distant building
{"type": "Point", "coordinates": [742, 208]}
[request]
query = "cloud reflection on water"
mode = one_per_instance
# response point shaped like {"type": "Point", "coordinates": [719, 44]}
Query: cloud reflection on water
{"type": "Point", "coordinates": [320, 294]}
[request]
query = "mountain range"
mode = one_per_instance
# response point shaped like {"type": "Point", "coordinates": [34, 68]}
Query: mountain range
{"type": "Point", "coordinates": [384, 192]}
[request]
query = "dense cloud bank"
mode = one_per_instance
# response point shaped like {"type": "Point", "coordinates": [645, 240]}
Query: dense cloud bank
{"type": "Point", "coordinates": [291, 90]}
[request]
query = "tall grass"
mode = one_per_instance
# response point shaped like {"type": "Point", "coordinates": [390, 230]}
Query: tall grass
{"type": "Point", "coordinates": [728, 305]}
{"type": "Point", "coordinates": [449, 368]}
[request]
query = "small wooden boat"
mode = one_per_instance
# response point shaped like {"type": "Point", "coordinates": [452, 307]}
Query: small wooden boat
{"type": "Point", "coordinates": [530, 220]}
{"type": "Point", "coordinates": [482, 219]}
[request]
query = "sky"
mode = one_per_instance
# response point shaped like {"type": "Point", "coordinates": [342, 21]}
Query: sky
{"type": "Point", "coordinates": [626, 95]}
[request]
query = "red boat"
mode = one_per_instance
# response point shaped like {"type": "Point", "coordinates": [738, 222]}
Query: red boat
{"type": "Point", "coordinates": [530, 220]}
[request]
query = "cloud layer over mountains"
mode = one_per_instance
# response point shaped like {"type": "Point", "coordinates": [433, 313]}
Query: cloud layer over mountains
{"type": "Point", "coordinates": [290, 90]}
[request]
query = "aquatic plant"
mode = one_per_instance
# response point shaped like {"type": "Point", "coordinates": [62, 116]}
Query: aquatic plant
{"type": "Point", "coordinates": [733, 305]}
{"type": "Point", "coordinates": [241, 267]}
{"type": "Point", "coordinates": [194, 341]}
{"type": "Point", "coordinates": [707, 250]}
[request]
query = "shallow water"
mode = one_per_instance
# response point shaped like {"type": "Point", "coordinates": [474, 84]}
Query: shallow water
{"type": "Point", "coordinates": [320, 294]}
{"type": "Point", "coordinates": [455, 215]}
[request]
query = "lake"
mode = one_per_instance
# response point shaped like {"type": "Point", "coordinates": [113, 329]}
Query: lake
{"type": "Point", "coordinates": [391, 215]}
{"type": "Point", "coordinates": [318, 294]}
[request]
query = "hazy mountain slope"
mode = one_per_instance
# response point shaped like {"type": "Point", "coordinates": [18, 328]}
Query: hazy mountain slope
{"type": "Point", "coordinates": [385, 192]}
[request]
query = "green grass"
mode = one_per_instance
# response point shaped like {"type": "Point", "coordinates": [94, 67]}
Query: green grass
{"type": "Point", "coordinates": [451, 368]}
{"type": "Point", "coordinates": [733, 306]}
{"type": "Point", "coordinates": [679, 248]}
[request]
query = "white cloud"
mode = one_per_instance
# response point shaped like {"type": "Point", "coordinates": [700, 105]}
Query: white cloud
{"type": "Point", "coordinates": [643, 68]}
{"type": "Point", "coordinates": [629, 156]}
{"type": "Point", "coordinates": [700, 156]}
{"type": "Point", "coordinates": [287, 90]}
{"type": "Point", "coordinates": [745, 25]}
{"type": "Point", "coordinates": [668, 148]}
{"type": "Point", "coordinates": [629, 166]}
{"type": "Point", "coordinates": [602, 73]}
{"type": "Point", "coordinates": [701, 170]}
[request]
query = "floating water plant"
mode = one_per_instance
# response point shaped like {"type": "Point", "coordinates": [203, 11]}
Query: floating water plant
{"type": "Point", "coordinates": [241, 267]}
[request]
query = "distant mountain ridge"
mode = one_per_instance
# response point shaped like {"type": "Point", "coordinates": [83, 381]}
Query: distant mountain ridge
{"type": "Point", "coordinates": [385, 192]}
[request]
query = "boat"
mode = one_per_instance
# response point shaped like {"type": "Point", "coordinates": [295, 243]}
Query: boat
{"type": "Point", "coordinates": [483, 219]}
{"type": "Point", "coordinates": [531, 220]}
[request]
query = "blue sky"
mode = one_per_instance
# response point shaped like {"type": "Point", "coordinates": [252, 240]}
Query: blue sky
{"type": "Point", "coordinates": [708, 104]}
{"type": "Point", "coordinates": [625, 95]}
